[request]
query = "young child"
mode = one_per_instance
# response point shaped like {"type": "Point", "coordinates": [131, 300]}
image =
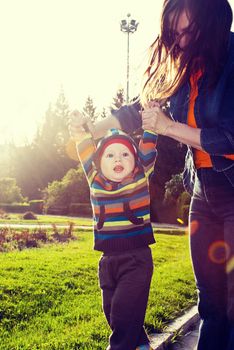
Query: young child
{"type": "Point", "coordinates": [117, 172]}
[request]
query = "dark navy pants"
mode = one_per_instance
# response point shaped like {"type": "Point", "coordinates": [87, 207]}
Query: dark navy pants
{"type": "Point", "coordinates": [212, 251]}
{"type": "Point", "coordinates": [125, 282]}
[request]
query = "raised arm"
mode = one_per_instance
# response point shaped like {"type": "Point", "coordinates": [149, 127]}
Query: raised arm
{"type": "Point", "coordinates": [126, 118]}
{"type": "Point", "coordinates": [84, 142]}
{"type": "Point", "coordinates": [148, 151]}
{"type": "Point", "coordinates": [217, 140]}
{"type": "Point", "coordinates": [99, 129]}
{"type": "Point", "coordinates": [155, 119]}
{"type": "Point", "coordinates": [86, 151]}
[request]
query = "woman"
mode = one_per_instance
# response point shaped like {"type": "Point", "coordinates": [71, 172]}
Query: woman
{"type": "Point", "coordinates": [196, 37]}
{"type": "Point", "coordinates": [191, 67]}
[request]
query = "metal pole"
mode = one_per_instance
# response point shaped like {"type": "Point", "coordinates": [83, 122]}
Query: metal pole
{"type": "Point", "coordinates": [127, 97]}
{"type": "Point", "coordinates": [128, 26]}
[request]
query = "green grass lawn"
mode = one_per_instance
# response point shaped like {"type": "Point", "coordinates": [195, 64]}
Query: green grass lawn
{"type": "Point", "coordinates": [65, 220]}
{"type": "Point", "coordinates": [46, 219]}
{"type": "Point", "coordinates": [50, 299]}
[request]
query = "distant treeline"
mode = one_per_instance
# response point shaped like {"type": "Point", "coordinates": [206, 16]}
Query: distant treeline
{"type": "Point", "coordinates": [41, 167]}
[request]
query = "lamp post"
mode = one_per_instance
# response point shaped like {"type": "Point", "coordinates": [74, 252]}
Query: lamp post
{"type": "Point", "coordinates": [128, 26]}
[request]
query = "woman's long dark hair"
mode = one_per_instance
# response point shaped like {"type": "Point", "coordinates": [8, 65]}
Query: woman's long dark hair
{"type": "Point", "coordinates": [169, 66]}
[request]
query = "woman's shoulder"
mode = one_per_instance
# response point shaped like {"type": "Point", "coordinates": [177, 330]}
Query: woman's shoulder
{"type": "Point", "coordinates": [229, 65]}
{"type": "Point", "coordinates": [232, 36]}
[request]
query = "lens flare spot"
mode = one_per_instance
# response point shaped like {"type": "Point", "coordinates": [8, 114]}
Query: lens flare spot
{"type": "Point", "coordinates": [219, 252]}
{"type": "Point", "coordinates": [193, 227]}
{"type": "Point", "coordinates": [230, 265]}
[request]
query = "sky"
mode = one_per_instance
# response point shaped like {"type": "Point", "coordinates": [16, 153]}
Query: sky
{"type": "Point", "coordinates": [74, 45]}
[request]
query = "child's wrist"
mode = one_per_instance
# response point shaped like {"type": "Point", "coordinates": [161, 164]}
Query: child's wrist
{"type": "Point", "coordinates": [150, 132]}
{"type": "Point", "coordinates": [90, 129]}
{"type": "Point", "coordinates": [82, 137]}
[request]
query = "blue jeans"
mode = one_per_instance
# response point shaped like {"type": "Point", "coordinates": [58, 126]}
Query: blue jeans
{"type": "Point", "coordinates": [212, 250]}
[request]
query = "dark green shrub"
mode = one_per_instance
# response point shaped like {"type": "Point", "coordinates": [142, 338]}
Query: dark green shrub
{"type": "Point", "coordinates": [183, 203]}
{"type": "Point", "coordinates": [185, 214]}
{"type": "Point", "coordinates": [173, 189]}
{"type": "Point", "coordinates": [15, 207]}
{"type": "Point", "coordinates": [72, 188]}
{"type": "Point", "coordinates": [40, 235]}
{"type": "Point", "coordinates": [80, 209]}
{"type": "Point", "coordinates": [64, 236]}
{"type": "Point", "coordinates": [36, 205]}
{"type": "Point", "coordinates": [3, 214]}
{"type": "Point", "coordinates": [9, 190]}
{"type": "Point", "coordinates": [29, 215]}
{"type": "Point", "coordinates": [57, 210]}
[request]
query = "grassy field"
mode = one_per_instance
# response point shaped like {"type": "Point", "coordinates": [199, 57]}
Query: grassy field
{"type": "Point", "coordinates": [46, 219]}
{"type": "Point", "coordinates": [50, 299]}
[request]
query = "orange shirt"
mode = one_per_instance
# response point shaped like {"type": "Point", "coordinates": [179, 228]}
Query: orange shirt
{"type": "Point", "coordinates": [201, 158]}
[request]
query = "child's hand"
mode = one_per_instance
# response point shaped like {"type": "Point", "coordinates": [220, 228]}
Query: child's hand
{"type": "Point", "coordinates": [76, 125]}
{"type": "Point", "coordinates": [155, 119]}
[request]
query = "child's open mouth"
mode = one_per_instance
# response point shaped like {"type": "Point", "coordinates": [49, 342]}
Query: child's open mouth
{"type": "Point", "coordinates": [118, 168]}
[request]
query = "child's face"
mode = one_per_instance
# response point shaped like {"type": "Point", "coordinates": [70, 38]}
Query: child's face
{"type": "Point", "coordinates": [117, 162]}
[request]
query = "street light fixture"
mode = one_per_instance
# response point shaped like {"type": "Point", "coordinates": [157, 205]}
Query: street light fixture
{"type": "Point", "coordinates": [128, 26]}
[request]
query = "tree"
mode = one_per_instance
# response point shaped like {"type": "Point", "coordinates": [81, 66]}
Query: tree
{"type": "Point", "coordinates": [45, 159]}
{"type": "Point", "coordinates": [9, 191]}
{"type": "Point", "coordinates": [176, 195]}
{"type": "Point", "coordinates": [183, 204]}
{"type": "Point", "coordinates": [61, 113]}
{"type": "Point", "coordinates": [7, 152]}
{"type": "Point", "coordinates": [54, 132]}
{"type": "Point", "coordinates": [89, 110]}
{"type": "Point", "coordinates": [119, 99]}
{"type": "Point", "coordinates": [73, 188]}
{"type": "Point", "coordinates": [173, 189]}
{"type": "Point", "coordinates": [103, 113]}
{"type": "Point", "coordinates": [28, 171]}
{"type": "Point", "coordinates": [170, 161]}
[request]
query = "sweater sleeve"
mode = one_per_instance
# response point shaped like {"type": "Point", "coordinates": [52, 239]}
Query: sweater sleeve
{"type": "Point", "coordinates": [86, 150]}
{"type": "Point", "coordinates": [148, 151]}
{"type": "Point", "coordinates": [129, 116]}
{"type": "Point", "coordinates": [219, 140]}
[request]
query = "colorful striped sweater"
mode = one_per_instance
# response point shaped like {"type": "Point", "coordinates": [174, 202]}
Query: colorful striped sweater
{"type": "Point", "coordinates": [121, 209]}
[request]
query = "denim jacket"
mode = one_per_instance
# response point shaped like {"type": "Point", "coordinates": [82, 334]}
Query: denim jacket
{"type": "Point", "coordinates": [214, 113]}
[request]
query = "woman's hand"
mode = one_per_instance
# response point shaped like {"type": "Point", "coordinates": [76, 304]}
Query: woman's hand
{"type": "Point", "coordinates": [153, 118]}
{"type": "Point", "coordinates": [76, 125]}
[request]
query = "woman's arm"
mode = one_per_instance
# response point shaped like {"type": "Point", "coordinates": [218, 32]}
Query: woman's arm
{"type": "Point", "coordinates": [215, 140]}
{"type": "Point", "coordinates": [186, 134]}
{"type": "Point", "coordinates": [99, 129]}
{"type": "Point", "coordinates": [77, 121]}
{"type": "Point", "coordinates": [126, 118]}
{"type": "Point", "coordinates": [219, 139]}
{"type": "Point", "coordinates": [155, 119]}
